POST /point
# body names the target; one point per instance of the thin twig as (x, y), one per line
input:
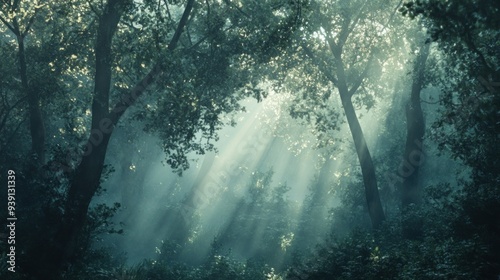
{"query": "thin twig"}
(10, 27)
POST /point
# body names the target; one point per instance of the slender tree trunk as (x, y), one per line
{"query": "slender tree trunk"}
(374, 204)
(37, 128)
(365, 160)
(413, 155)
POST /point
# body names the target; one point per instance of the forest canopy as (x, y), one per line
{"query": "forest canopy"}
(240, 139)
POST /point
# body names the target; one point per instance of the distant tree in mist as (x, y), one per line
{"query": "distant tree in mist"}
(340, 54)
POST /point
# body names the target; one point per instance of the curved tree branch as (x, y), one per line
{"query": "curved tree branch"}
(321, 66)
(129, 99)
(9, 26)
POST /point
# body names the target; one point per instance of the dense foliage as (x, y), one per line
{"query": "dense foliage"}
(82, 82)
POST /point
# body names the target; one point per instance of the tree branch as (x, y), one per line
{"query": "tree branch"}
(205, 37)
(15, 5)
(342, 38)
(321, 66)
(348, 26)
(10, 27)
(93, 9)
(182, 24)
(470, 43)
(30, 22)
(362, 76)
(337, 57)
(168, 10)
(136, 92)
(107, 26)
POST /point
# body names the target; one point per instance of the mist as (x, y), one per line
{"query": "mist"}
(250, 140)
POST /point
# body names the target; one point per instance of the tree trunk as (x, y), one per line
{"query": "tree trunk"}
(374, 204)
(88, 173)
(365, 160)
(83, 188)
(413, 155)
(37, 128)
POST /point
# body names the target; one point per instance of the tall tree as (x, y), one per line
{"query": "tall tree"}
(413, 155)
(469, 127)
(202, 61)
(19, 17)
(342, 51)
